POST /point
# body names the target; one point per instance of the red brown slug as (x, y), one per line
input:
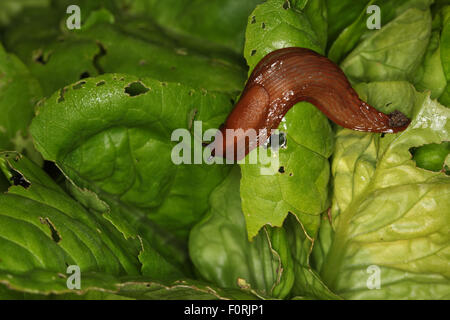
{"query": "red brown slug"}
(282, 79)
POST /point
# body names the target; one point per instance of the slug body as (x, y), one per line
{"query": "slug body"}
(282, 79)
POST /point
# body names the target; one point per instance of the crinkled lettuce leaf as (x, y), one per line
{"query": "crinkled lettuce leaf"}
(112, 135)
(301, 185)
(221, 252)
(389, 215)
(220, 22)
(430, 75)
(357, 30)
(278, 24)
(43, 231)
(170, 61)
(19, 92)
(10, 8)
(341, 14)
(445, 53)
(133, 46)
(308, 284)
(392, 53)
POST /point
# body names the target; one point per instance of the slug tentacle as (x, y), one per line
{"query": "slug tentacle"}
(288, 76)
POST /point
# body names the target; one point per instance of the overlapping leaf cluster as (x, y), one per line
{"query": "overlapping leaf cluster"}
(85, 153)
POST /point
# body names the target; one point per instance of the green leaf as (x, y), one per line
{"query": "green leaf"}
(222, 253)
(299, 183)
(397, 95)
(19, 92)
(29, 32)
(395, 217)
(357, 31)
(317, 14)
(123, 152)
(219, 22)
(97, 286)
(179, 290)
(307, 281)
(44, 230)
(167, 61)
(299, 187)
(322, 242)
(67, 62)
(4, 184)
(10, 8)
(141, 48)
(392, 53)
(445, 53)
(342, 14)
(271, 27)
(431, 75)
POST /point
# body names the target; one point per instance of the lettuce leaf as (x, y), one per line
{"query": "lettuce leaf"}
(445, 53)
(105, 138)
(19, 92)
(219, 23)
(301, 185)
(357, 31)
(393, 52)
(133, 46)
(430, 75)
(222, 253)
(389, 214)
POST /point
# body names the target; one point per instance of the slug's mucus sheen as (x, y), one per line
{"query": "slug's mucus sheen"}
(279, 81)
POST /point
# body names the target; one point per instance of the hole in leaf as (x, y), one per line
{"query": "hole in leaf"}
(286, 5)
(263, 25)
(40, 57)
(100, 83)
(253, 52)
(78, 85)
(253, 20)
(85, 75)
(192, 115)
(135, 89)
(55, 234)
(101, 53)
(53, 171)
(281, 169)
(62, 92)
(18, 179)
